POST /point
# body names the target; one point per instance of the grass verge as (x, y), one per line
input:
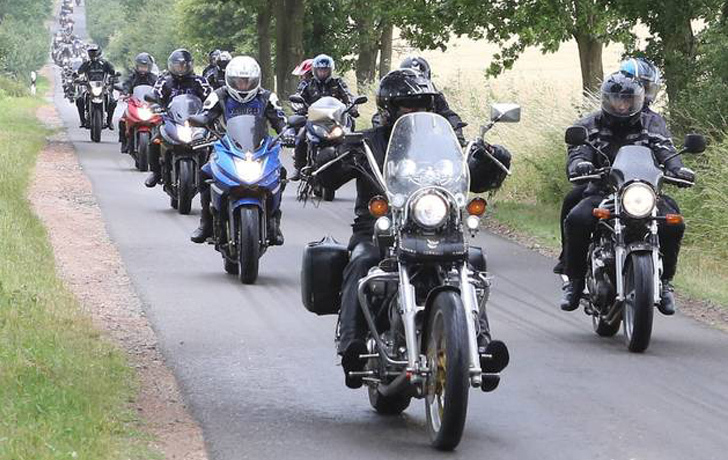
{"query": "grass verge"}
(64, 391)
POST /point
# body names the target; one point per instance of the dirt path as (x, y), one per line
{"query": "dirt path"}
(91, 267)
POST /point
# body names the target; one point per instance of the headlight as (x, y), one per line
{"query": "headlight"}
(336, 132)
(638, 200)
(145, 113)
(248, 170)
(430, 210)
(97, 90)
(184, 133)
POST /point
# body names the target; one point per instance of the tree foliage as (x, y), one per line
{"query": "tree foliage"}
(23, 35)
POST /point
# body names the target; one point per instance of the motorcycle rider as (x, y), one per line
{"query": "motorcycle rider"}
(241, 95)
(621, 121)
(304, 71)
(142, 75)
(179, 79)
(97, 68)
(323, 83)
(212, 63)
(216, 77)
(400, 92)
(649, 75)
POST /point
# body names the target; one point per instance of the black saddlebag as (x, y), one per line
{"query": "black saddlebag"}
(322, 273)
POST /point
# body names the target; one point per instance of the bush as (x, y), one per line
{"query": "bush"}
(23, 46)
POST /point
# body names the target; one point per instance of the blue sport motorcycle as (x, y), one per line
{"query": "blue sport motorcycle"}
(246, 187)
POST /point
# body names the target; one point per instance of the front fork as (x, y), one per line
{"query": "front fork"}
(621, 254)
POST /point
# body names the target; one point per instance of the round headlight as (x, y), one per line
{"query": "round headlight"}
(145, 113)
(336, 133)
(638, 200)
(184, 132)
(430, 210)
(249, 171)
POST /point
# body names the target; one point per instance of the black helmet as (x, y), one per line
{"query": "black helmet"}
(224, 59)
(94, 52)
(417, 63)
(212, 56)
(143, 63)
(404, 89)
(622, 99)
(180, 63)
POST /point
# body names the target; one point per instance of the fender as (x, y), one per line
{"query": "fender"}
(641, 246)
(426, 312)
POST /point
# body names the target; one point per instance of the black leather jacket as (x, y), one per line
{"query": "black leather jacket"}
(312, 90)
(96, 70)
(136, 79)
(168, 86)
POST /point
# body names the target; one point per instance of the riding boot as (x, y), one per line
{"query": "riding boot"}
(204, 231)
(573, 291)
(276, 238)
(667, 301)
(154, 165)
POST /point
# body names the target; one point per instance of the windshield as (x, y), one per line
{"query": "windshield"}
(326, 110)
(141, 91)
(183, 106)
(423, 151)
(635, 163)
(246, 132)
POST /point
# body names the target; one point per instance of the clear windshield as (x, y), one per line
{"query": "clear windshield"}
(326, 110)
(246, 132)
(635, 163)
(423, 152)
(183, 106)
(141, 91)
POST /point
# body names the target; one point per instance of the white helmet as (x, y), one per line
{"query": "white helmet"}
(242, 78)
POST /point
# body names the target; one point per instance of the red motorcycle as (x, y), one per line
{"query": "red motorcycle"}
(140, 120)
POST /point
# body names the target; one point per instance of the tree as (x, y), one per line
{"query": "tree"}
(515, 25)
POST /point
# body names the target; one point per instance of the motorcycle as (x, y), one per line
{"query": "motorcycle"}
(97, 96)
(140, 120)
(67, 78)
(624, 282)
(246, 188)
(328, 122)
(424, 303)
(179, 161)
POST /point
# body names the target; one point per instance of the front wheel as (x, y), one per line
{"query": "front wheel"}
(97, 116)
(185, 186)
(639, 302)
(142, 149)
(447, 387)
(248, 244)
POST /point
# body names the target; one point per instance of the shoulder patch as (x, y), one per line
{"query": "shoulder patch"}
(211, 101)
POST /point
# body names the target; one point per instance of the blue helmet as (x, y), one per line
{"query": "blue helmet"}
(647, 73)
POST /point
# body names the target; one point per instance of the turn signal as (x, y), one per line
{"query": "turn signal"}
(477, 207)
(378, 206)
(157, 141)
(601, 213)
(674, 219)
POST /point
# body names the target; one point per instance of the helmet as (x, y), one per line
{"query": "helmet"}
(404, 90)
(416, 63)
(180, 63)
(224, 59)
(647, 73)
(323, 67)
(212, 56)
(242, 78)
(143, 63)
(94, 52)
(304, 68)
(622, 98)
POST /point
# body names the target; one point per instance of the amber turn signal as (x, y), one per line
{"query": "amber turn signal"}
(601, 213)
(477, 207)
(674, 219)
(157, 141)
(378, 206)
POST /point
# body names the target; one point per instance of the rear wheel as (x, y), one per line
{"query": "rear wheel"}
(142, 152)
(447, 387)
(248, 244)
(639, 303)
(185, 186)
(97, 121)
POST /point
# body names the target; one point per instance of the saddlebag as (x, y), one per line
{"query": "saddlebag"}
(322, 273)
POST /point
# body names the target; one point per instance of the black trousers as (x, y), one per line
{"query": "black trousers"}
(575, 195)
(81, 107)
(301, 150)
(580, 224)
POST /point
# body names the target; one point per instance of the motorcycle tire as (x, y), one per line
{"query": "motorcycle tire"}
(142, 152)
(639, 304)
(447, 387)
(248, 242)
(97, 122)
(329, 194)
(185, 186)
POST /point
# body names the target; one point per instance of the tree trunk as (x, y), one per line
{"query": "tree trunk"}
(281, 45)
(590, 58)
(385, 49)
(265, 59)
(296, 10)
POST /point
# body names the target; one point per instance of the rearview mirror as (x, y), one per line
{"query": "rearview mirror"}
(694, 143)
(360, 100)
(576, 135)
(296, 99)
(505, 113)
(296, 121)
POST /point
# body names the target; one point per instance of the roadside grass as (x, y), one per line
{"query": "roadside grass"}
(64, 390)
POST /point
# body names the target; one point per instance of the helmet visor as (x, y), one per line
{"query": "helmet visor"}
(243, 84)
(93, 53)
(651, 90)
(413, 103)
(179, 68)
(322, 73)
(142, 68)
(623, 105)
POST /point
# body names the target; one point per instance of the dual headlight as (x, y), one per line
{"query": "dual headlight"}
(184, 133)
(248, 170)
(639, 200)
(430, 210)
(324, 133)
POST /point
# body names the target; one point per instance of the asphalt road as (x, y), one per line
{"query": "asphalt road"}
(261, 374)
